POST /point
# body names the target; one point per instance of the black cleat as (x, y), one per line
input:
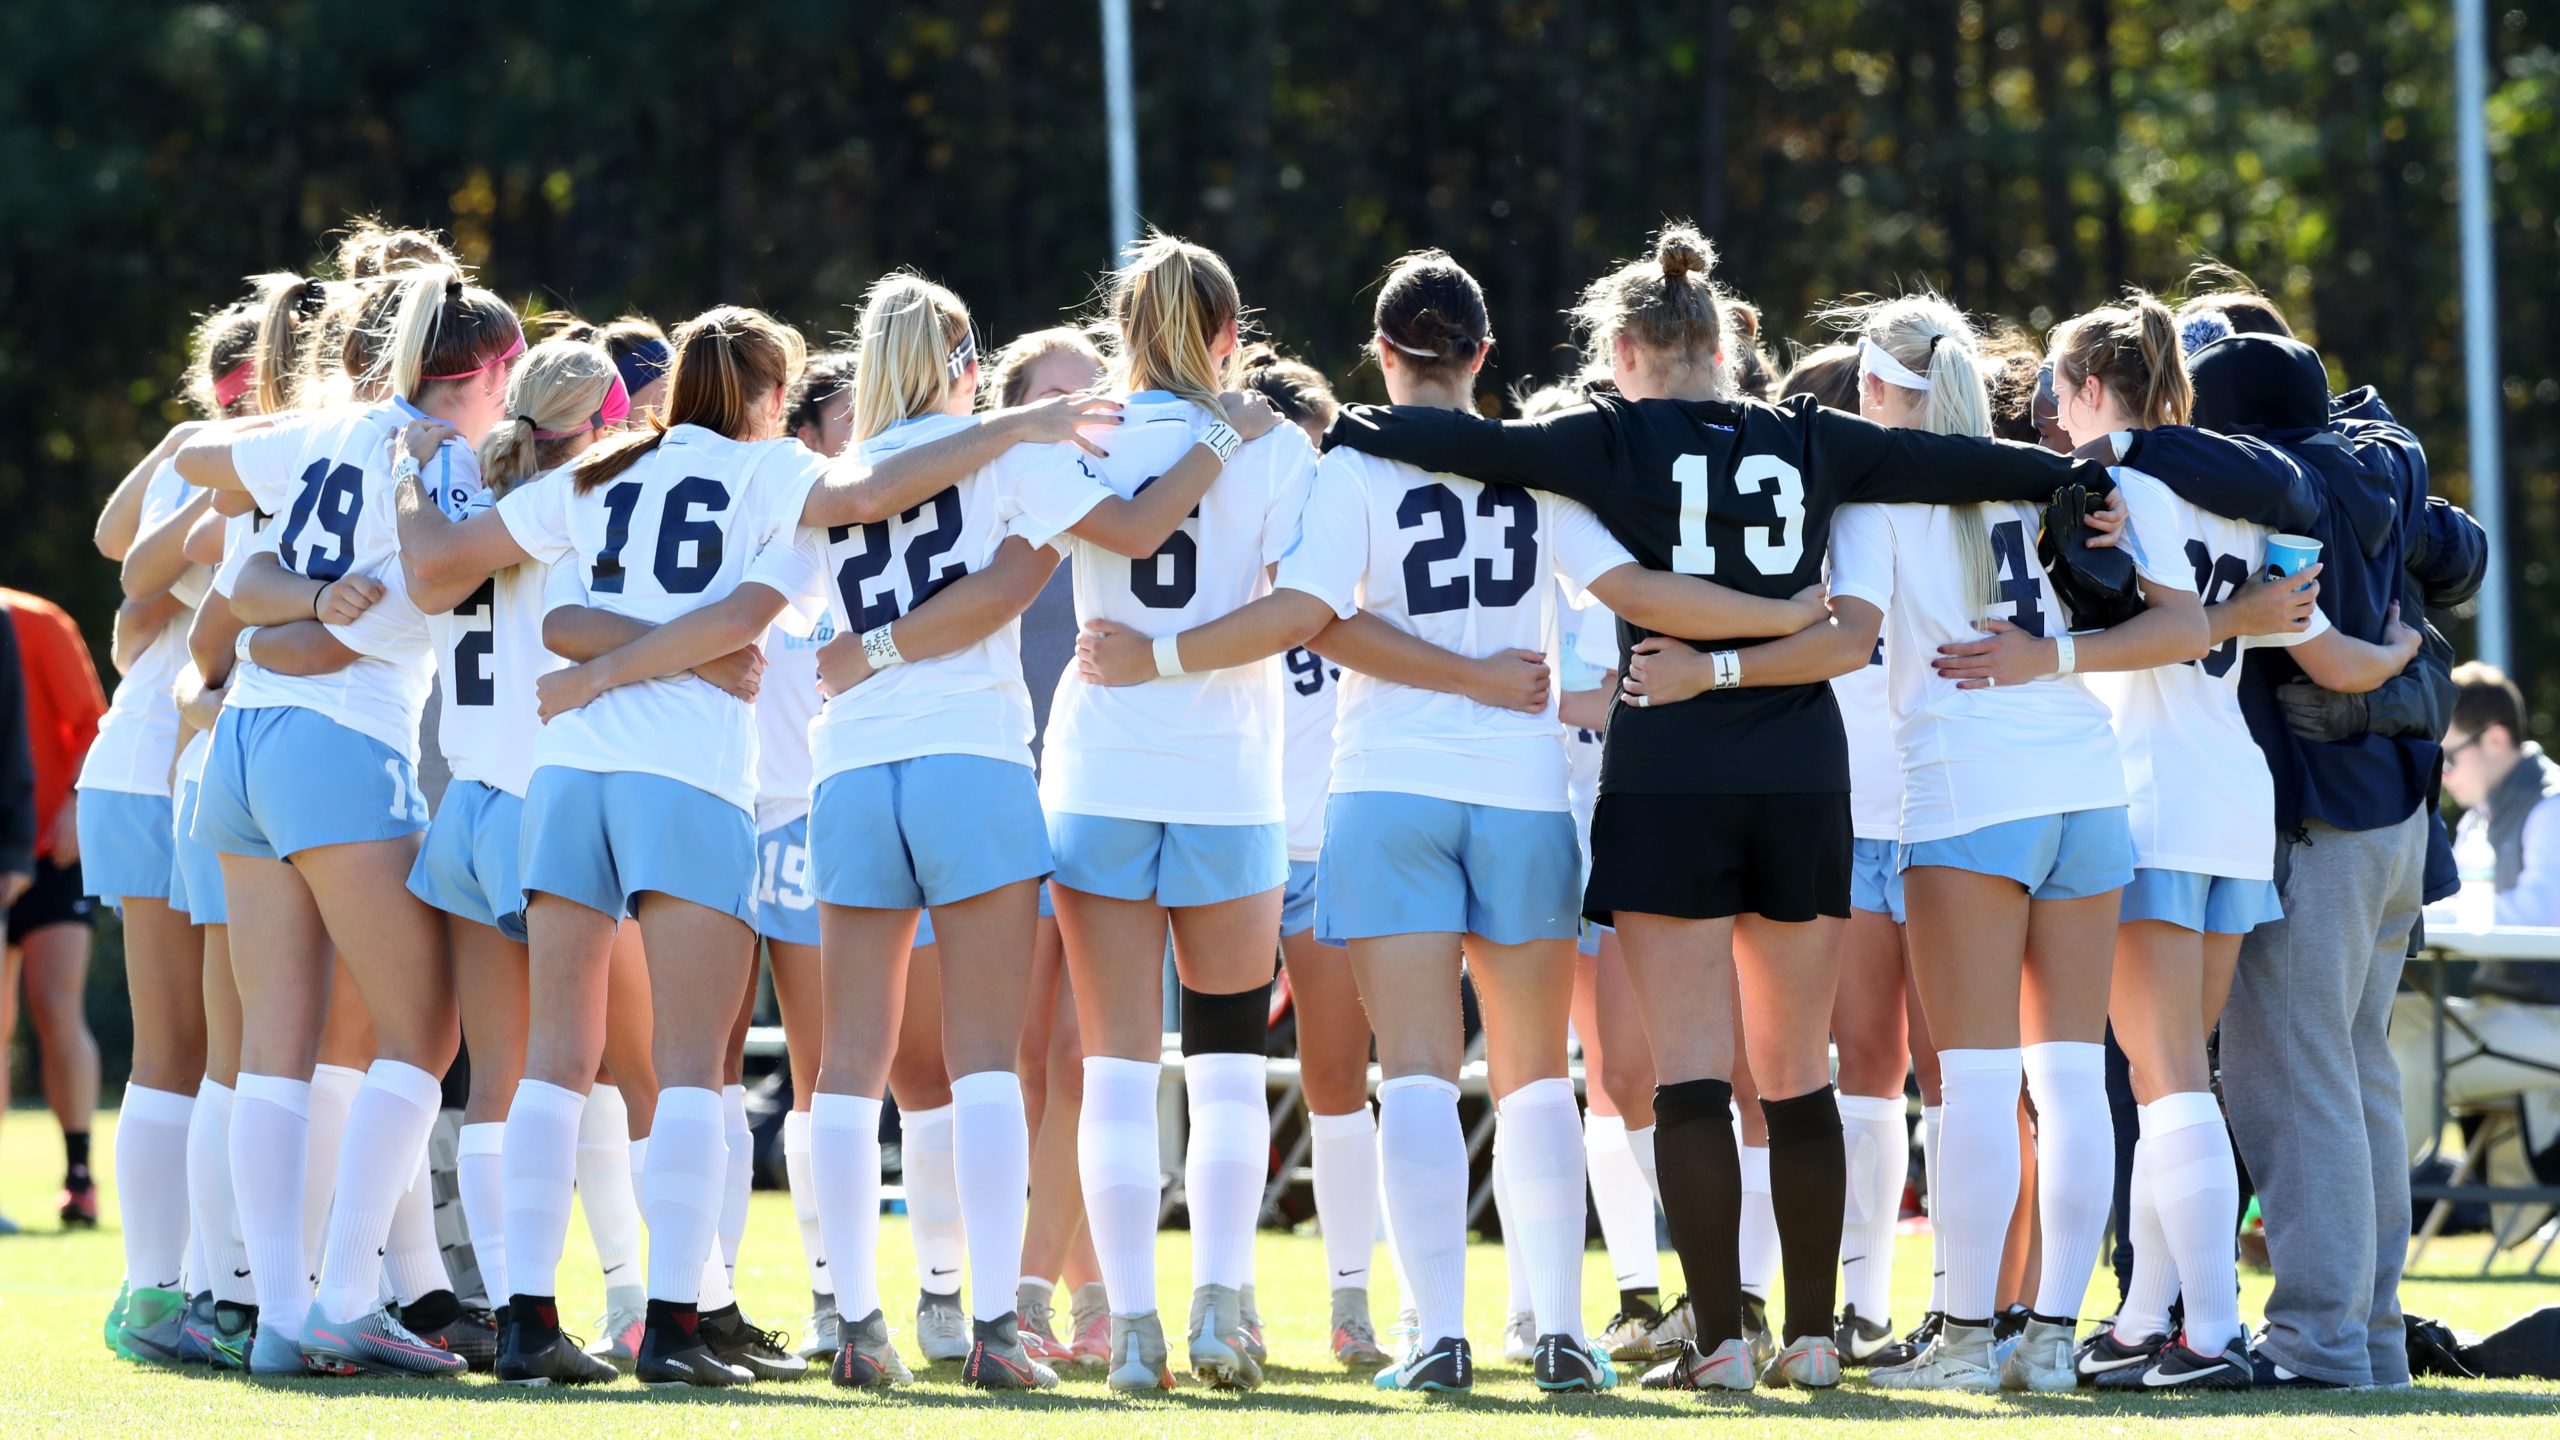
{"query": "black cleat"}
(472, 1334)
(673, 1352)
(2106, 1363)
(1859, 1339)
(1908, 1348)
(1445, 1367)
(765, 1354)
(537, 1355)
(2180, 1368)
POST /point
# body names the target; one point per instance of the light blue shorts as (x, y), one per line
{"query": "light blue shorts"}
(1417, 865)
(1298, 902)
(604, 839)
(2206, 904)
(2056, 857)
(785, 910)
(1173, 863)
(928, 831)
(1875, 878)
(126, 844)
(283, 779)
(924, 918)
(472, 863)
(195, 871)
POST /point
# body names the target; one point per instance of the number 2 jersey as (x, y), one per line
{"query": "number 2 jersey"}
(1472, 568)
(973, 700)
(682, 528)
(1736, 491)
(489, 648)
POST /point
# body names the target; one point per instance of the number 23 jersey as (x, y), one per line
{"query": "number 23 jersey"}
(1204, 748)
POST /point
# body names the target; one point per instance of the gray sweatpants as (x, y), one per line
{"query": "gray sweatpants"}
(2315, 1097)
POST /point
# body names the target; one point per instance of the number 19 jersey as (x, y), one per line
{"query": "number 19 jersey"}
(1201, 749)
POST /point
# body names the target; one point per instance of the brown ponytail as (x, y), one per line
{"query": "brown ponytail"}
(1667, 305)
(727, 359)
(2131, 349)
(1431, 313)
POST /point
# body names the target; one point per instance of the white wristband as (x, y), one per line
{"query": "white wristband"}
(240, 647)
(1220, 436)
(881, 648)
(1728, 666)
(2063, 652)
(1169, 655)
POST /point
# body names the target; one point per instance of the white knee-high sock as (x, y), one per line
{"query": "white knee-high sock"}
(1978, 1174)
(386, 1141)
(1224, 1164)
(1395, 1257)
(2075, 1167)
(1932, 1124)
(1116, 1160)
(1879, 1145)
(608, 1171)
(270, 1125)
(480, 1164)
(2145, 1312)
(1759, 1223)
(2196, 1192)
(991, 1166)
(1546, 1198)
(1515, 1255)
(1346, 1165)
(333, 1090)
(680, 1193)
(538, 1168)
(210, 1211)
(804, 1199)
(933, 1198)
(151, 1185)
(1640, 1141)
(844, 1168)
(741, 1178)
(412, 1256)
(1624, 1200)
(716, 1293)
(1424, 1160)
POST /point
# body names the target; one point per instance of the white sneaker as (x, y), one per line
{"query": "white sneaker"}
(942, 1327)
(1959, 1359)
(2041, 1360)
(1520, 1337)
(1809, 1362)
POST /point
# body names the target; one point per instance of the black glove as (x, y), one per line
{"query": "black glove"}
(2317, 714)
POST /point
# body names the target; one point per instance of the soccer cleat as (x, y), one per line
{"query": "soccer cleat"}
(621, 1326)
(273, 1353)
(674, 1352)
(765, 1354)
(997, 1360)
(1519, 1337)
(1756, 1332)
(540, 1356)
(1629, 1333)
(114, 1332)
(1140, 1360)
(942, 1327)
(1809, 1362)
(194, 1345)
(1089, 1322)
(473, 1335)
(153, 1322)
(1219, 1356)
(1036, 1321)
(2041, 1360)
(374, 1343)
(78, 1205)
(8, 1226)
(1562, 1363)
(2182, 1368)
(821, 1344)
(1960, 1358)
(1444, 1367)
(1355, 1344)
(1859, 1339)
(2009, 1324)
(228, 1338)
(1251, 1319)
(865, 1360)
(2107, 1363)
(1908, 1348)
(1729, 1368)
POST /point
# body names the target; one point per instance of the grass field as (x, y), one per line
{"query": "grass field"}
(55, 1288)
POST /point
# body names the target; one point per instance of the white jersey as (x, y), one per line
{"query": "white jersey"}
(138, 736)
(325, 481)
(1875, 766)
(1203, 748)
(2201, 797)
(1472, 568)
(1309, 689)
(1586, 651)
(489, 648)
(682, 528)
(786, 705)
(972, 701)
(1972, 758)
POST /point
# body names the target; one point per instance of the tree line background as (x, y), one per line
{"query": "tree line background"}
(662, 155)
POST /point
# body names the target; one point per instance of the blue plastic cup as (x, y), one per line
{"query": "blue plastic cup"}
(2291, 554)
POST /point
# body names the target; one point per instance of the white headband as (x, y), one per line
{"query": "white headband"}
(1875, 360)
(1409, 350)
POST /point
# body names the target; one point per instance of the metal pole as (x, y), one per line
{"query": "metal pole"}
(1121, 113)
(2480, 322)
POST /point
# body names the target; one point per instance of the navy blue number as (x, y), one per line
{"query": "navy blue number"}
(1147, 578)
(472, 682)
(2019, 574)
(619, 502)
(333, 495)
(2217, 577)
(678, 527)
(925, 577)
(1311, 670)
(1519, 537)
(1421, 595)
(928, 568)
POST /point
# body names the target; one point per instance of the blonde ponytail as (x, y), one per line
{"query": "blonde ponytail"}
(913, 332)
(1168, 303)
(1931, 339)
(555, 405)
(288, 312)
(442, 329)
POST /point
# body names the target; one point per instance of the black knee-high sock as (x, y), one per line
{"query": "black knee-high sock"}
(1701, 1174)
(1809, 1186)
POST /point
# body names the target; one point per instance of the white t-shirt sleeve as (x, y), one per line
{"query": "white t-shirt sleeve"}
(537, 516)
(562, 586)
(265, 461)
(1047, 490)
(1332, 550)
(1293, 473)
(2151, 531)
(267, 539)
(1584, 549)
(796, 567)
(1862, 554)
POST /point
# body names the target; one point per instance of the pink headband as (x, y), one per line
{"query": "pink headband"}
(616, 407)
(512, 352)
(235, 382)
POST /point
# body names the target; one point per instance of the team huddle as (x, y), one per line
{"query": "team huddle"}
(1702, 722)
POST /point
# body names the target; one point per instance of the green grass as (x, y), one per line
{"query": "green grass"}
(55, 1288)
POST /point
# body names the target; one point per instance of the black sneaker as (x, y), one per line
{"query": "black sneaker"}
(2104, 1362)
(765, 1354)
(2180, 1368)
(2009, 1324)
(1908, 1348)
(673, 1352)
(536, 1355)
(1859, 1339)
(1559, 1364)
(1445, 1367)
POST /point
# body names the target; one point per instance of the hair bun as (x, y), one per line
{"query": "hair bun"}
(1683, 251)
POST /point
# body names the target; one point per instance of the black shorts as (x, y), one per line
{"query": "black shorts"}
(1704, 857)
(54, 899)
